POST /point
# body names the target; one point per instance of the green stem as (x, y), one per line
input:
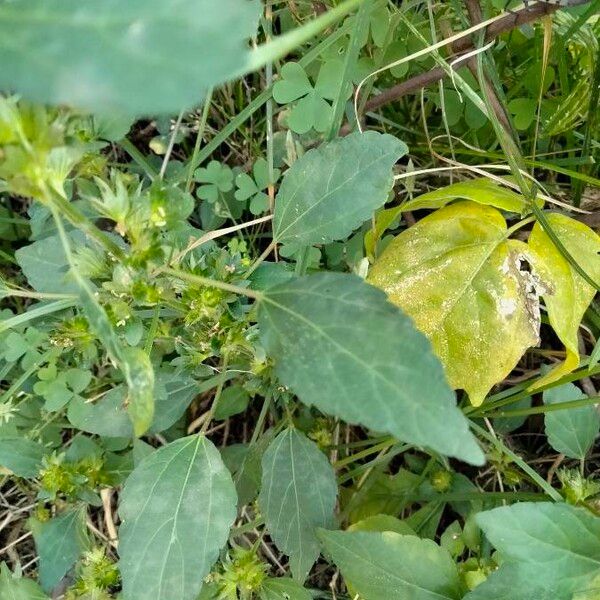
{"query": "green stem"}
(536, 410)
(205, 281)
(199, 137)
(70, 212)
(539, 481)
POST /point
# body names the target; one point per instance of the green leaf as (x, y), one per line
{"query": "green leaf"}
(59, 542)
(461, 280)
(566, 294)
(139, 374)
(571, 431)
(298, 494)
(137, 57)
(45, 264)
(310, 111)
(176, 509)
(21, 456)
(558, 542)
(523, 111)
(232, 401)
(506, 425)
(382, 523)
(107, 417)
(282, 588)
(292, 84)
(174, 393)
(514, 582)
(349, 178)
(483, 191)
(13, 587)
(392, 566)
(352, 354)
(133, 362)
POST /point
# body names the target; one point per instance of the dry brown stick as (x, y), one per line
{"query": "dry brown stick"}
(507, 23)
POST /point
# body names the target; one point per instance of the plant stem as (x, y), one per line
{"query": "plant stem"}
(205, 281)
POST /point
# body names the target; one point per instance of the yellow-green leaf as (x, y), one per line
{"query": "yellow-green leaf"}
(482, 191)
(460, 278)
(566, 294)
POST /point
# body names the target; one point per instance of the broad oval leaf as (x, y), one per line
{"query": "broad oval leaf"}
(558, 542)
(138, 57)
(516, 582)
(354, 355)
(21, 456)
(107, 417)
(283, 588)
(13, 587)
(460, 279)
(566, 294)
(571, 431)
(45, 264)
(176, 509)
(59, 542)
(393, 566)
(298, 494)
(332, 189)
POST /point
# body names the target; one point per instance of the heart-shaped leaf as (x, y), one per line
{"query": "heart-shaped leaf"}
(461, 280)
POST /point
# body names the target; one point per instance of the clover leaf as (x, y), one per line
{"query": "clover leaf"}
(311, 109)
(25, 345)
(59, 388)
(253, 187)
(216, 178)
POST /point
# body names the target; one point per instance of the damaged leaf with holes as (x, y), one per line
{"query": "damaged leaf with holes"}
(463, 281)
